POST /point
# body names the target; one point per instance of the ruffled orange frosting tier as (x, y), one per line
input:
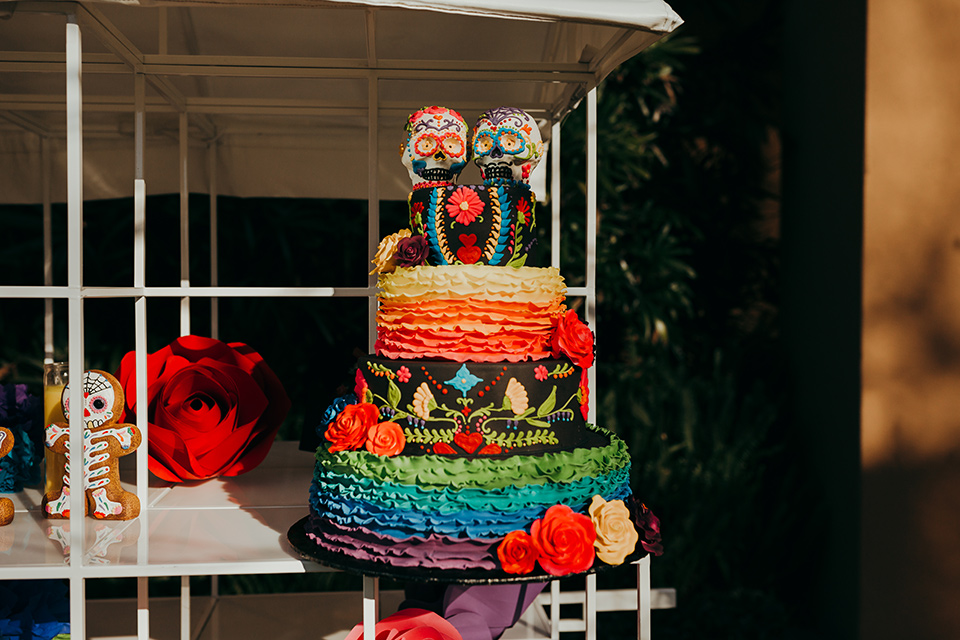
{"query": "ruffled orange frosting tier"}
(469, 312)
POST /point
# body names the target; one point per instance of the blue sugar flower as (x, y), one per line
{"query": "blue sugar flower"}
(463, 381)
(334, 410)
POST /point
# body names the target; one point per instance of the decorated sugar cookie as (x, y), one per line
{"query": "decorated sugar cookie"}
(104, 441)
(6, 504)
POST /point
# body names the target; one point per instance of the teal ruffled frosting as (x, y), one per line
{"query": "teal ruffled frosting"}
(447, 500)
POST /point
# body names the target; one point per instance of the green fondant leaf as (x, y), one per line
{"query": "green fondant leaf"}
(393, 394)
(538, 423)
(548, 404)
(507, 404)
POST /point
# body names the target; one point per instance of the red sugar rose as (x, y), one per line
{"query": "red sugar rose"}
(214, 408)
(517, 553)
(385, 439)
(348, 431)
(573, 339)
(564, 540)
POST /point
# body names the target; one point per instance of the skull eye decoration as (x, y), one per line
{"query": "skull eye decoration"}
(435, 150)
(98, 400)
(507, 145)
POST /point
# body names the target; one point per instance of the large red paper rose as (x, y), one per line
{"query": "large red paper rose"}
(348, 431)
(214, 408)
(573, 339)
(564, 539)
(410, 624)
(517, 553)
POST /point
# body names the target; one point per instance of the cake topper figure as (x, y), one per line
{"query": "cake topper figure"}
(506, 145)
(104, 441)
(436, 149)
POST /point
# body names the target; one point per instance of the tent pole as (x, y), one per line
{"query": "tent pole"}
(591, 267)
(47, 249)
(555, 195)
(75, 317)
(140, 328)
(184, 226)
(214, 245)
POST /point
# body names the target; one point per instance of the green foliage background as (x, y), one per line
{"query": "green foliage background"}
(689, 364)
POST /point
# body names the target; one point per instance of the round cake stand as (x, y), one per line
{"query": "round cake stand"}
(371, 574)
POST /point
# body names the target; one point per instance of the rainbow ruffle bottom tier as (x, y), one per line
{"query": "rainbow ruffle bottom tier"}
(442, 513)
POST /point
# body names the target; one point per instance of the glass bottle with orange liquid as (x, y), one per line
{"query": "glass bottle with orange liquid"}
(54, 380)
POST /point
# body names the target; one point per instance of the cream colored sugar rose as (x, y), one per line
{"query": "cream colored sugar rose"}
(384, 259)
(616, 535)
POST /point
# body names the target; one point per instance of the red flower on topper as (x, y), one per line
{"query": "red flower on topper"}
(348, 431)
(523, 208)
(517, 553)
(464, 205)
(214, 408)
(564, 540)
(573, 339)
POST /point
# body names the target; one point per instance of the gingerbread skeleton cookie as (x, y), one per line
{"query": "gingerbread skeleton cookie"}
(6, 504)
(104, 441)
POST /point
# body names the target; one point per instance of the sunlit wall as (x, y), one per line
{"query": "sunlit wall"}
(911, 323)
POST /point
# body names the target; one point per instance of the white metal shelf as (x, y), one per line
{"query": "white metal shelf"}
(218, 527)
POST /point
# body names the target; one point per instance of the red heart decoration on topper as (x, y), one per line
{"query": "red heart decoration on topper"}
(468, 442)
(468, 253)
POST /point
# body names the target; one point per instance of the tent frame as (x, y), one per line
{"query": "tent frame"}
(151, 70)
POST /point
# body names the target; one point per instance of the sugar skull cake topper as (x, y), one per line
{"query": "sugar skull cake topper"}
(436, 149)
(506, 144)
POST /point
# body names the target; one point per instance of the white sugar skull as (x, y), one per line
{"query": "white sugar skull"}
(507, 144)
(99, 398)
(436, 148)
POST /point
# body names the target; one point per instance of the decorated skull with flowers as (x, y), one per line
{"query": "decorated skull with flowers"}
(435, 151)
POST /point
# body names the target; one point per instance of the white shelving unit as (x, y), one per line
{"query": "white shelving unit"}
(268, 100)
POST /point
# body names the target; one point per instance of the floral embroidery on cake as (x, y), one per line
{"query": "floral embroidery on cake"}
(540, 373)
(463, 381)
(517, 395)
(429, 436)
(416, 215)
(380, 371)
(515, 439)
(423, 401)
(403, 374)
(465, 206)
(524, 210)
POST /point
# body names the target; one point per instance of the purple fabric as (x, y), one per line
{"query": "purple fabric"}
(479, 612)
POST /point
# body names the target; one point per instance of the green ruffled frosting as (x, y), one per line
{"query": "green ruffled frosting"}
(436, 472)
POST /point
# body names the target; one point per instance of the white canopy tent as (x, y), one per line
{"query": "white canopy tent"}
(282, 91)
(268, 98)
